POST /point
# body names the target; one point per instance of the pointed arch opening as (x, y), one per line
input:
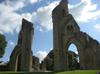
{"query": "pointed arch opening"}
(73, 57)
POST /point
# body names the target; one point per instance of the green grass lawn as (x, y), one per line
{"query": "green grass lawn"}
(26, 72)
(66, 72)
(80, 72)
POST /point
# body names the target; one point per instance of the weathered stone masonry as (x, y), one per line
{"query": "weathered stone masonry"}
(67, 31)
(21, 57)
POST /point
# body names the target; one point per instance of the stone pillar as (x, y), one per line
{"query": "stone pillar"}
(26, 56)
(21, 57)
(60, 57)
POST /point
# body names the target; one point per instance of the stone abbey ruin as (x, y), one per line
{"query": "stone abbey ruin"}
(65, 32)
(21, 57)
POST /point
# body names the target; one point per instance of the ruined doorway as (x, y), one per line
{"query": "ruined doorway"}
(73, 57)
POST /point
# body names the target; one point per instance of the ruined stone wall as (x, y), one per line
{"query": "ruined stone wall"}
(21, 57)
(67, 31)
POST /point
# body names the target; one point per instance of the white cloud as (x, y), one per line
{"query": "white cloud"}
(83, 12)
(27, 16)
(1, 32)
(11, 43)
(43, 16)
(39, 28)
(76, 52)
(11, 21)
(97, 27)
(17, 4)
(41, 55)
(51, 49)
(33, 1)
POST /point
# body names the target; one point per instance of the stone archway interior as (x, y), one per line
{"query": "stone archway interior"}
(73, 57)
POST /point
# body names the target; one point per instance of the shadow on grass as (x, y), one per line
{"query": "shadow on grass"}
(41, 73)
(26, 72)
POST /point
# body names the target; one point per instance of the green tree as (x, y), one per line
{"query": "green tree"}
(3, 44)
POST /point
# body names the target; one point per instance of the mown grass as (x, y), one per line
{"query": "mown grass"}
(80, 72)
(65, 72)
(8, 72)
(25, 73)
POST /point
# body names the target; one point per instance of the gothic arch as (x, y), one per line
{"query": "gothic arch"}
(80, 48)
(67, 31)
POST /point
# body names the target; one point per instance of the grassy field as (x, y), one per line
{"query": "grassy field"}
(26, 73)
(66, 72)
(80, 72)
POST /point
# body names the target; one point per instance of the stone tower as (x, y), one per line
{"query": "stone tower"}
(67, 31)
(58, 15)
(21, 57)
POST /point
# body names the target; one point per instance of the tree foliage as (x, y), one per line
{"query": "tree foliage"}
(3, 44)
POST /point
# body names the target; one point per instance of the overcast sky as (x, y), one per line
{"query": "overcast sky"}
(85, 12)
